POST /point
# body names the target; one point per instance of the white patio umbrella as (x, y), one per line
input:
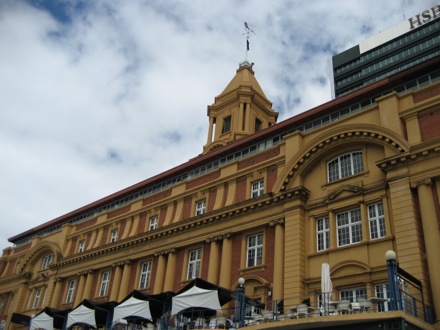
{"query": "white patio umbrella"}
(326, 286)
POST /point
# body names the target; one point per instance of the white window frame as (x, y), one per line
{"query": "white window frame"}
(105, 282)
(322, 234)
(144, 278)
(349, 227)
(201, 207)
(257, 188)
(194, 261)
(353, 294)
(114, 235)
(47, 261)
(154, 220)
(254, 252)
(81, 246)
(345, 165)
(376, 219)
(70, 291)
(382, 291)
(37, 297)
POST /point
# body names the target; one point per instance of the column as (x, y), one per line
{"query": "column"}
(135, 225)
(213, 262)
(80, 291)
(332, 229)
(364, 222)
(226, 265)
(123, 291)
(160, 273)
(278, 262)
(226, 262)
(211, 124)
(431, 236)
(116, 282)
(295, 251)
(55, 302)
(89, 283)
(171, 271)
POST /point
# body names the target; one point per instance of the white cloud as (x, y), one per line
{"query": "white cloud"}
(117, 91)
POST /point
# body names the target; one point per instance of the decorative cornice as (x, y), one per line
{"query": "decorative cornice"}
(16, 277)
(248, 206)
(404, 159)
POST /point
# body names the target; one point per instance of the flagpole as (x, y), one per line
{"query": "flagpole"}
(247, 33)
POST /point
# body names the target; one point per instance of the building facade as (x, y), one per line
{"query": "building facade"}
(268, 202)
(409, 43)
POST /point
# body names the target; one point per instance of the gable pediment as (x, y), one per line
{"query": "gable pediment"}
(344, 191)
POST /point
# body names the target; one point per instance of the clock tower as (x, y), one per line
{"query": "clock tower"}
(239, 111)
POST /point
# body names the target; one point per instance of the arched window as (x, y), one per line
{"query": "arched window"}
(345, 165)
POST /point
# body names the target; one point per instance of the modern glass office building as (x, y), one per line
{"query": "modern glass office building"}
(411, 42)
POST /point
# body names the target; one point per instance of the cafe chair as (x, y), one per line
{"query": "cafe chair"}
(331, 310)
(315, 313)
(290, 315)
(355, 307)
(221, 322)
(302, 310)
(343, 307)
(267, 315)
(365, 306)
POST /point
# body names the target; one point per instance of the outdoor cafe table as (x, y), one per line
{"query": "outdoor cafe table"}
(309, 309)
(375, 300)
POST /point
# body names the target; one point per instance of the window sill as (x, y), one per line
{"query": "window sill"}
(369, 242)
(327, 184)
(258, 268)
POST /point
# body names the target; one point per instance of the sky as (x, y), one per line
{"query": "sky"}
(96, 96)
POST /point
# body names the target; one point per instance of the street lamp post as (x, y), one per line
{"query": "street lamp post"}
(393, 281)
(241, 302)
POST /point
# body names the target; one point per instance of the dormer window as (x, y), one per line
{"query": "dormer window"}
(153, 223)
(226, 124)
(47, 261)
(114, 236)
(345, 165)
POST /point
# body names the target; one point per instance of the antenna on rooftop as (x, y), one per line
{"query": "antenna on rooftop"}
(248, 32)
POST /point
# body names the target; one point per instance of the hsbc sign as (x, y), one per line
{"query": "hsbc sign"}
(424, 17)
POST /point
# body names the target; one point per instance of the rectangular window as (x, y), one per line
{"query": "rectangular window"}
(376, 219)
(81, 246)
(194, 259)
(254, 250)
(322, 234)
(382, 291)
(114, 236)
(144, 280)
(201, 207)
(226, 124)
(37, 298)
(353, 294)
(257, 188)
(349, 227)
(153, 223)
(105, 281)
(258, 125)
(344, 166)
(47, 261)
(70, 291)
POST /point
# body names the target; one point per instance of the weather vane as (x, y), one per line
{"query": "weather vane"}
(247, 33)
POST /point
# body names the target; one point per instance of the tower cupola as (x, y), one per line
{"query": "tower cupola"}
(240, 110)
